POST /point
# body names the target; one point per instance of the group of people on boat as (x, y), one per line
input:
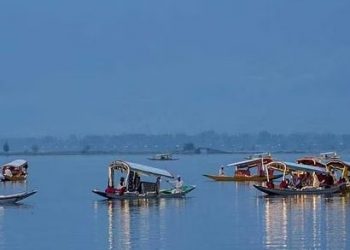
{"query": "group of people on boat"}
(136, 185)
(15, 170)
(308, 180)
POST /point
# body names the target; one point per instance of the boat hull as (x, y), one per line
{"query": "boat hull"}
(241, 178)
(284, 192)
(13, 198)
(165, 193)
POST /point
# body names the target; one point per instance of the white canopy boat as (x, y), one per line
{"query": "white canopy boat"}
(15, 170)
(134, 188)
(290, 168)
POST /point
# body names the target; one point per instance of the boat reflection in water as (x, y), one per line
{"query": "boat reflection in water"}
(305, 222)
(135, 223)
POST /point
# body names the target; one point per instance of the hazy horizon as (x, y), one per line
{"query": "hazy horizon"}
(167, 67)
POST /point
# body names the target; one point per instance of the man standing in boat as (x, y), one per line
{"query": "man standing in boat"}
(221, 171)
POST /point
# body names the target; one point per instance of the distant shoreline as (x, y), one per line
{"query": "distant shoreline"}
(138, 153)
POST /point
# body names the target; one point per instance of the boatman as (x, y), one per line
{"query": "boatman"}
(221, 171)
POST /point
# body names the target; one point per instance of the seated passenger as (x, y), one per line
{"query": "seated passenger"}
(110, 190)
(284, 184)
(8, 172)
(270, 184)
(121, 187)
(328, 181)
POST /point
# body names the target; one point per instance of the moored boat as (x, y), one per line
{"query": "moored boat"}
(131, 186)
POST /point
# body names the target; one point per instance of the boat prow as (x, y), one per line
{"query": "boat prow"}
(101, 193)
(13, 198)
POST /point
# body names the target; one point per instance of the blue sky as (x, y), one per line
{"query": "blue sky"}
(112, 67)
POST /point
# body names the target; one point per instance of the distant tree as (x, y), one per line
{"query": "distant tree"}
(86, 149)
(6, 147)
(35, 148)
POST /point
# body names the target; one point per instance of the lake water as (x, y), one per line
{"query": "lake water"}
(65, 214)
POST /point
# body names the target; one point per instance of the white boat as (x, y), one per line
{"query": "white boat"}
(134, 188)
(13, 198)
(163, 157)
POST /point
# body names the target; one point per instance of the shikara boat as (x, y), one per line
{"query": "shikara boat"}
(290, 168)
(332, 162)
(313, 191)
(15, 171)
(244, 168)
(137, 189)
(13, 198)
(163, 157)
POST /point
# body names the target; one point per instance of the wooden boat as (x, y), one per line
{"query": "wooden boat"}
(296, 169)
(136, 189)
(163, 157)
(332, 162)
(15, 171)
(310, 191)
(13, 198)
(241, 177)
(243, 170)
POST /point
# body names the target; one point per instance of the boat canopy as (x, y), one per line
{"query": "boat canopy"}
(140, 168)
(250, 163)
(16, 163)
(324, 162)
(295, 166)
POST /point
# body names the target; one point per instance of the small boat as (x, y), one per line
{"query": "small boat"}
(163, 157)
(15, 171)
(13, 198)
(134, 188)
(298, 170)
(243, 170)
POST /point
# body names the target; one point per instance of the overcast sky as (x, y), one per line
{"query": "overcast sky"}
(112, 67)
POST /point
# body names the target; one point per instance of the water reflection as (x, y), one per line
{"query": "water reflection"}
(305, 222)
(10, 187)
(135, 222)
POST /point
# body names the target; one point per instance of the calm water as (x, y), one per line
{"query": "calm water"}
(65, 214)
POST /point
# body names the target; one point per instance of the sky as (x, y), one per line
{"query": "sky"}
(155, 67)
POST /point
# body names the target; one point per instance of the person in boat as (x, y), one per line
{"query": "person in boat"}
(306, 180)
(178, 184)
(221, 171)
(270, 184)
(110, 189)
(137, 183)
(328, 181)
(334, 176)
(315, 180)
(158, 185)
(121, 187)
(8, 172)
(284, 184)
